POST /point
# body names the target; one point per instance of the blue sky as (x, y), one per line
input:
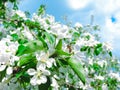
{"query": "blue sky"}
(106, 14)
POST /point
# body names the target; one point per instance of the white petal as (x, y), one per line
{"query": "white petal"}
(2, 67)
(38, 56)
(39, 81)
(43, 79)
(46, 72)
(49, 64)
(31, 71)
(9, 70)
(33, 80)
(54, 83)
(41, 66)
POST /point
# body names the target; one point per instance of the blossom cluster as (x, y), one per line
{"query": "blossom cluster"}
(39, 53)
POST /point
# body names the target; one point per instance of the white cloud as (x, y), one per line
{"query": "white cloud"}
(111, 32)
(77, 4)
(107, 6)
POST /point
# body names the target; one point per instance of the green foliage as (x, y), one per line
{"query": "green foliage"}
(75, 36)
(27, 14)
(3, 7)
(48, 22)
(29, 47)
(41, 10)
(110, 53)
(21, 50)
(32, 24)
(98, 49)
(50, 38)
(43, 42)
(27, 59)
(15, 37)
(96, 67)
(22, 41)
(111, 83)
(78, 69)
(15, 7)
(12, 1)
(97, 84)
(16, 22)
(84, 48)
(59, 45)
(2, 75)
(61, 52)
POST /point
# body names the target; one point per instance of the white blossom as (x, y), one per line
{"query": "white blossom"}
(102, 63)
(99, 77)
(114, 75)
(77, 24)
(9, 70)
(7, 54)
(26, 32)
(44, 60)
(104, 87)
(39, 75)
(20, 13)
(108, 46)
(54, 84)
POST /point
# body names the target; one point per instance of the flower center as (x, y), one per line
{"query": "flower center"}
(43, 60)
(39, 74)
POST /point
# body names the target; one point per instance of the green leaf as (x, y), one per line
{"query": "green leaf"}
(50, 37)
(110, 53)
(19, 74)
(15, 7)
(43, 42)
(78, 69)
(29, 58)
(34, 46)
(46, 85)
(2, 75)
(87, 37)
(12, 1)
(30, 47)
(32, 24)
(25, 78)
(41, 10)
(27, 14)
(97, 51)
(61, 52)
(76, 35)
(22, 41)
(59, 45)
(99, 45)
(84, 48)
(89, 51)
(1, 33)
(47, 21)
(15, 37)
(21, 50)
(96, 67)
